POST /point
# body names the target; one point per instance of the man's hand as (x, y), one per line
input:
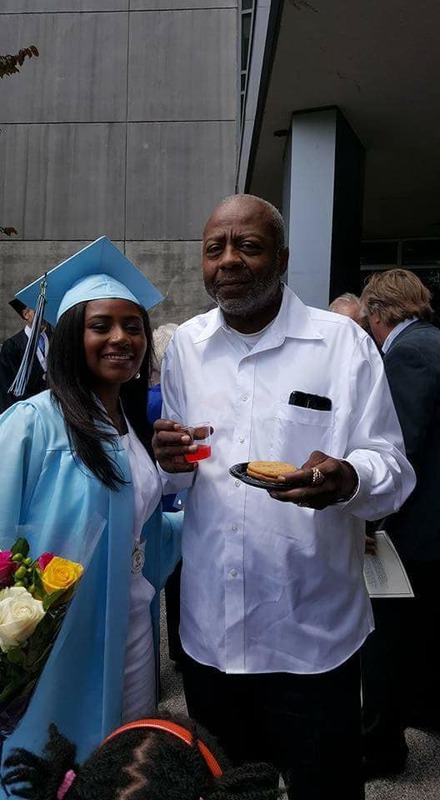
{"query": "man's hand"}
(170, 443)
(321, 482)
(370, 545)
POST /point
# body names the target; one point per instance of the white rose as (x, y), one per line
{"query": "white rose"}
(20, 614)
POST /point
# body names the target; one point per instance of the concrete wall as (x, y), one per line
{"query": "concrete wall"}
(125, 126)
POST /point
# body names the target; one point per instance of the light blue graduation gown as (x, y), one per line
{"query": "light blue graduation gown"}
(57, 500)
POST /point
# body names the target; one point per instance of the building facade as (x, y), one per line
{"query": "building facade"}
(339, 128)
(126, 125)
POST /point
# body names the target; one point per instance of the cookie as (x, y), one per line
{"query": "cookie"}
(269, 470)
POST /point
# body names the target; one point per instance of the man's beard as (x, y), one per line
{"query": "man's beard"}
(259, 294)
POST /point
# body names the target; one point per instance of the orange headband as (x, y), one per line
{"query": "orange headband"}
(177, 730)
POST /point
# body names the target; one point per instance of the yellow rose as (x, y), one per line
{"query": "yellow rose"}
(60, 573)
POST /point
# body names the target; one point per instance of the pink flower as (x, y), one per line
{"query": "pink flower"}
(44, 560)
(7, 568)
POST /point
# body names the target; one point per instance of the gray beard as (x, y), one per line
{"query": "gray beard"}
(259, 296)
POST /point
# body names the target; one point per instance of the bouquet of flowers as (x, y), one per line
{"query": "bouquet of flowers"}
(35, 594)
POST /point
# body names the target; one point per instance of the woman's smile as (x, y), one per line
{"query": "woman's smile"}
(114, 342)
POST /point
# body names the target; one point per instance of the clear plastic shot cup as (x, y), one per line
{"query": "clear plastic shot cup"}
(200, 434)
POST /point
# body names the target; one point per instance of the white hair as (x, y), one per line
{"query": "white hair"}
(347, 297)
(161, 339)
(348, 305)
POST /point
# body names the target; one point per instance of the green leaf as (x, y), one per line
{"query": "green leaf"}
(16, 656)
(50, 599)
(20, 546)
(36, 578)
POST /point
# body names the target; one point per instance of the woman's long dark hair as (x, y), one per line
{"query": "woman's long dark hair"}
(68, 379)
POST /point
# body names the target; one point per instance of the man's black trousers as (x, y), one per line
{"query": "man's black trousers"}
(308, 726)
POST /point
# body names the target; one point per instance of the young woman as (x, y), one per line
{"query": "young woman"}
(78, 456)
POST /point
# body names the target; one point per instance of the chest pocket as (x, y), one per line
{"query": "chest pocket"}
(298, 431)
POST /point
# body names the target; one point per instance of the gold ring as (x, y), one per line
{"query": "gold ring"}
(317, 477)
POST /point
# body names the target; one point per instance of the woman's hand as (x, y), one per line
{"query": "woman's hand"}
(322, 481)
(170, 444)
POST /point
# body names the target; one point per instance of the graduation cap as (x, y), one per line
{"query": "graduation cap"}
(97, 272)
(18, 306)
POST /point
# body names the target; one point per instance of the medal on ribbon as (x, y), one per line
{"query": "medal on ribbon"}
(137, 558)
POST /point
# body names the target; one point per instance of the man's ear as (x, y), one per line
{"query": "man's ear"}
(373, 316)
(283, 258)
(25, 313)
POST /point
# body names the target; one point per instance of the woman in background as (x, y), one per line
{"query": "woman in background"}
(171, 502)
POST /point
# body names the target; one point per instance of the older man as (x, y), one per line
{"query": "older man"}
(400, 663)
(349, 305)
(274, 607)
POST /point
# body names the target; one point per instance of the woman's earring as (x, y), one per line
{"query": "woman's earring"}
(137, 376)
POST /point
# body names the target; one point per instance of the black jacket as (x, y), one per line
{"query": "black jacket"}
(11, 355)
(412, 365)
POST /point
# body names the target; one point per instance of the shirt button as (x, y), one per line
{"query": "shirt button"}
(244, 397)
(237, 482)
(241, 439)
(234, 528)
(233, 573)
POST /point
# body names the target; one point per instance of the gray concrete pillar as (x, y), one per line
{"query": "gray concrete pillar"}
(322, 204)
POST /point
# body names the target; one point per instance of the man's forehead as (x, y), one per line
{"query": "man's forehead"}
(238, 216)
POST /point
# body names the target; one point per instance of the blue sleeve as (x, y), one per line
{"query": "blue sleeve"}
(22, 451)
(154, 404)
(171, 544)
(163, 533)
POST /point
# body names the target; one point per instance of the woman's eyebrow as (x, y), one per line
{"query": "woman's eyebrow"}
(109, 316)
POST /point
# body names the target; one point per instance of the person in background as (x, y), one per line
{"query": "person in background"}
(400, 663)
(274, 607)
(349, 305)
(81, 451)
(11, 355)
(161, 338)
(156, 758)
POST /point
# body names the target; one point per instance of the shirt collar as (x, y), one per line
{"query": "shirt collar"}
(395, 332)
(27, 330)
(293, 320)
(214, 322)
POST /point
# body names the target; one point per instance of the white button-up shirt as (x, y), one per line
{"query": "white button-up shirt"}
(268, 586)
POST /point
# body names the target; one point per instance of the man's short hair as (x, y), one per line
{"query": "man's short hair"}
(347, 297)
(276, 219)
(348, 304)
(396, 295)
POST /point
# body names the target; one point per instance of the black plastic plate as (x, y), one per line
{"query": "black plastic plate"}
(239, 471)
